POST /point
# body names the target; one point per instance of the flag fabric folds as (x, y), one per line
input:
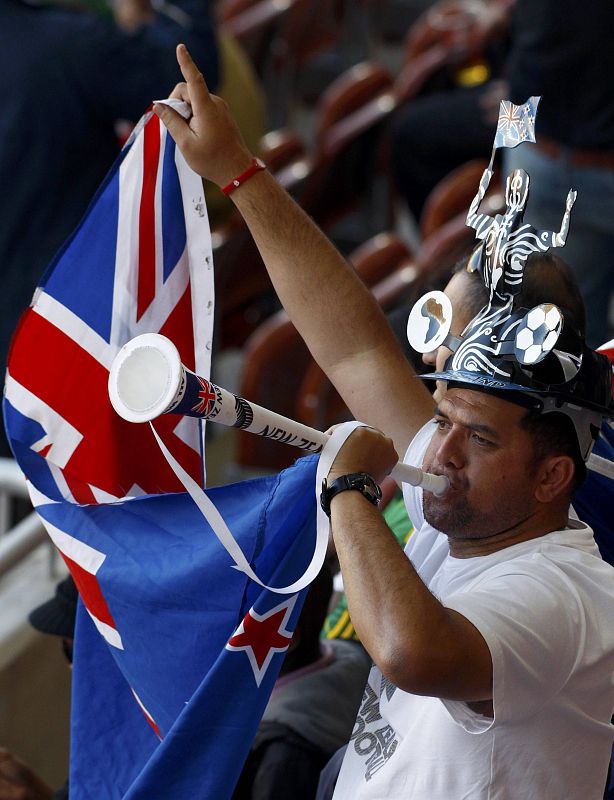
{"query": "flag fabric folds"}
(176, 651)
(140, 261)
(172, 710)
(593, 500)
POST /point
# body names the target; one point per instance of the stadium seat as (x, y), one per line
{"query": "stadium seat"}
(453, 195)
(276, 361)
(385, 255)
(255, 24)
(244, 293)
(344, 172)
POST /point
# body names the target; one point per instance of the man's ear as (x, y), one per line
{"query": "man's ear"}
(554, 478)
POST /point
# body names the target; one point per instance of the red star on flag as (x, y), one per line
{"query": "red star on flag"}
(263, 635)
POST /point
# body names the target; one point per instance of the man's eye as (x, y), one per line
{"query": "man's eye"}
(480, 440)
(442, 424)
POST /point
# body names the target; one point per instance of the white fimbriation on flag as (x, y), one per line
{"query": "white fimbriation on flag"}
(88, 561)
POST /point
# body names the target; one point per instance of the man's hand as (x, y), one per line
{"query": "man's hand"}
(366, 450)
(333, 311)
(210, 140)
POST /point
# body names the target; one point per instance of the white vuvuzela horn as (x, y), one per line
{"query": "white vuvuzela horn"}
(147, 379)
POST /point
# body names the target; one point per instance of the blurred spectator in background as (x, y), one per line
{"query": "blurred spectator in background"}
(443, 129)
(57, 615)
(18, 782)
(66, 78)
(561, 51)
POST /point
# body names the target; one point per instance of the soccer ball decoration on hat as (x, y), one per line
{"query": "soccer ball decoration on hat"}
(537, 333)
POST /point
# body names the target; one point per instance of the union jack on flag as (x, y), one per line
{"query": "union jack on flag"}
(176, 652)
(516, 124)
(140, 261)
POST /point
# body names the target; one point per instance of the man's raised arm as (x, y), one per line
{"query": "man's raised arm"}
(335, 314)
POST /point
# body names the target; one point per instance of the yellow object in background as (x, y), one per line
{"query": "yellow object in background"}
(472, 74)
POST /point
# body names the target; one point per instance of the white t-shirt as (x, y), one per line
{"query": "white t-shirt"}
(546, 610)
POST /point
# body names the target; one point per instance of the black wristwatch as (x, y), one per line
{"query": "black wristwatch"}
(359, 481)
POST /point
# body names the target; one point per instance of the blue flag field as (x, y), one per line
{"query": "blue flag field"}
(176, 650)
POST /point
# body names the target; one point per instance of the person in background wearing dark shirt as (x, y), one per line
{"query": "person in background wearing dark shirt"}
(559, 50)
(66, 78)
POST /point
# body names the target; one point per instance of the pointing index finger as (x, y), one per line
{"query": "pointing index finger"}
(197, 88)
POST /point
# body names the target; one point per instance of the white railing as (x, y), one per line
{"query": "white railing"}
(16, 541)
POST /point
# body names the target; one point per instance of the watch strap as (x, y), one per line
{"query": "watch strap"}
(356, 481)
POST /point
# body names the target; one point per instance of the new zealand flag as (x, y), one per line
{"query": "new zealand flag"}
(176, 651)
(170, 710)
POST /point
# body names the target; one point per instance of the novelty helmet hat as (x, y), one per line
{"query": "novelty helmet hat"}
(534, 357)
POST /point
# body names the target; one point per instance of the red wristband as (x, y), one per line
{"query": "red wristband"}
(253, 168)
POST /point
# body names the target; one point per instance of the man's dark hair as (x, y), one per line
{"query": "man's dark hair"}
(476, 296)
(546, 279)
(554, 434)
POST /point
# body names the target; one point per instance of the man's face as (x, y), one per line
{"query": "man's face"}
(481, 447)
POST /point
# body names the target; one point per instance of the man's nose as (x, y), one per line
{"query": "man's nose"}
(451, 450)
